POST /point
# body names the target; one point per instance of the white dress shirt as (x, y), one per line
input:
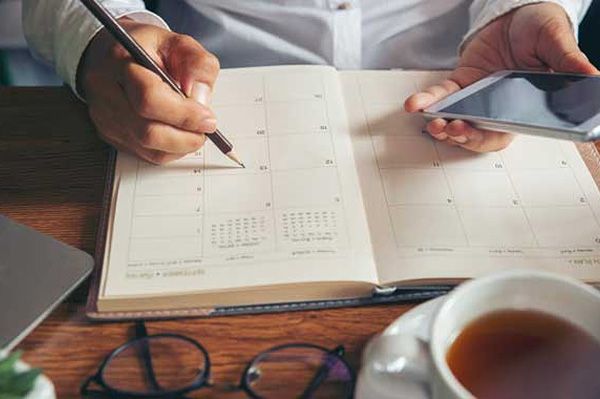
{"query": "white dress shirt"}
(348, 34)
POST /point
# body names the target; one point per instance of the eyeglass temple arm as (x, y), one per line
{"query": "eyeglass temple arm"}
(145, 356)
(321, 374)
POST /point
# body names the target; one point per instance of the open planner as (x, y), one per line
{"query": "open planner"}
(342, 196)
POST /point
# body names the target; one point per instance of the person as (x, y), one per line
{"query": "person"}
(135, 111)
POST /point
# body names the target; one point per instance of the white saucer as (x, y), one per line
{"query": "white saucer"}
(414, 323)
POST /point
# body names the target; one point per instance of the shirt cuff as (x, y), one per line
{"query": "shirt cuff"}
(496, 9)
(80, 34)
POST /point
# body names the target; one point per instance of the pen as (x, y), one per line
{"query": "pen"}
(142, 58)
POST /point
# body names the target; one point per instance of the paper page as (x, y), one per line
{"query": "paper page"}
(437, 211)
(294, 215)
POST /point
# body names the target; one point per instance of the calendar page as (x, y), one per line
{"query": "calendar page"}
(294, 215)
(437, 211)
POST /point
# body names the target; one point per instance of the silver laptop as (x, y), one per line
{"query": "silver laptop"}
(36, 273)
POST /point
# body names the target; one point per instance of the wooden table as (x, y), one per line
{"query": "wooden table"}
(52, 168)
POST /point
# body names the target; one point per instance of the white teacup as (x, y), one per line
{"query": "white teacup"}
(404, 364)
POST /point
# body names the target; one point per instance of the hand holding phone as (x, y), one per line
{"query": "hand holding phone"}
(536, 36)
(565, 106)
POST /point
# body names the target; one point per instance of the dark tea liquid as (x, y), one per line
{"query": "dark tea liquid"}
(526, 355)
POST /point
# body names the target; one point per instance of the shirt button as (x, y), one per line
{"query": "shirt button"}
(344, 6)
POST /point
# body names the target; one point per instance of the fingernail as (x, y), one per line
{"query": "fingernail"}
(459, 139)
(441, 136)
(201, 93)
(210, 125)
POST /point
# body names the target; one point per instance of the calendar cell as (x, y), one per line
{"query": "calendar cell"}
(147, 249)
(548, 187)
(459, 158)
(238, 193)
(170, 186)
(482, 188)
(166, 226)
(547, 154)
(297, 117)
(294, 87)
(396, 152)
(391, 120)
(253, 151)
(247, 90)
(168, 205)
(296, 188)
(415, 186)
(438, 226)
(301, 152)
(241, 121)
(549, 225)
(497, 227)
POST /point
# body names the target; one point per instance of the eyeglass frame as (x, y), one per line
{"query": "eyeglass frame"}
(203, 379)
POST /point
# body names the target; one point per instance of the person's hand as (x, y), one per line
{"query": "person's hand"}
(532, 37)
(133, 109)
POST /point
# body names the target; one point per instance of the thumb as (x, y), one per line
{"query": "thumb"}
(559, 50)
(192, 66)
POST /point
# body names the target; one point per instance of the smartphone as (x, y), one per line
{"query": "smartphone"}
(564, 106)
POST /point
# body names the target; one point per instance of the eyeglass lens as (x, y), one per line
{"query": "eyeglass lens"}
(155, 365)
(299, 372)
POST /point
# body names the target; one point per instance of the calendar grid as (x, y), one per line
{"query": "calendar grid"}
(266, 124)
(419, 178)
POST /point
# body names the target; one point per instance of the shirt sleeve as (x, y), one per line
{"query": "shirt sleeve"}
(58, 31)
(482, 12)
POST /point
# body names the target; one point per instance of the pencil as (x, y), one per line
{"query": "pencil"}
(142, 58)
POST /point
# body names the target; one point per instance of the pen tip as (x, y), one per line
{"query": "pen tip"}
(242, 165)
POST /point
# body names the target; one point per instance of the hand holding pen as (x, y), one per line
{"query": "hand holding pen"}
(135, 109)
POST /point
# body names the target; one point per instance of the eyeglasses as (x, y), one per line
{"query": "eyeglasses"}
(172, 365)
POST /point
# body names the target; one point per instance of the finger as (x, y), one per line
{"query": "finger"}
(478, 140)
(152, 99)
(153, 156)
(461, 132)
(419, 101)
(157, 157)
(558, 48)
(119, 126)
(436, 128)
(195, 68)
(159, 136)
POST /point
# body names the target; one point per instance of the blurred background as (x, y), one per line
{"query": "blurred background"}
(19, 68)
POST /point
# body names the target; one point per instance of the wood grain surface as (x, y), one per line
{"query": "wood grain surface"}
(52, 169)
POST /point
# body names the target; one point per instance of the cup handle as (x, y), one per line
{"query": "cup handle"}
(395, 366)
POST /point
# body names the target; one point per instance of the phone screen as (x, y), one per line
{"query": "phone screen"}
(552, 100)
